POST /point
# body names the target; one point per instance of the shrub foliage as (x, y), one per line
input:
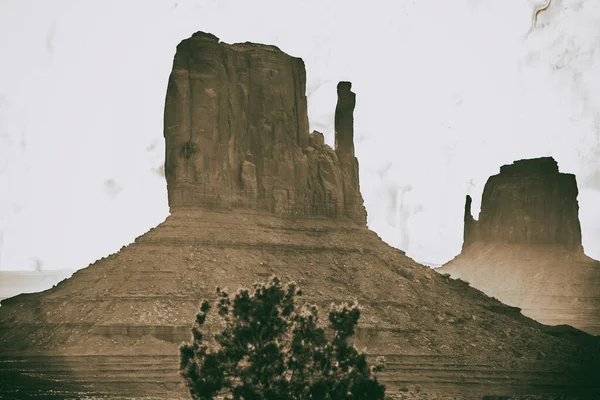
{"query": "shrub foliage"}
(271, 349)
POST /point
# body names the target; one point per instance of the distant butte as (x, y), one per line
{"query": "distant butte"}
(526, 249)
(252, 193)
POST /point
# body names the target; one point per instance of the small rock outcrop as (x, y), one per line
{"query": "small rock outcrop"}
(526, 247)
(237, 135)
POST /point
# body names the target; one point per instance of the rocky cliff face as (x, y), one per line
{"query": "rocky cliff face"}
(236, 131)
(252, 194)
(526, 250)
(529, 202)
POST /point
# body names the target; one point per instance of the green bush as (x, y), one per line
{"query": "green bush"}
(271, 349)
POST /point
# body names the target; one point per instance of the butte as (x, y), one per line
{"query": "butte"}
(253, 193)
(526, 248)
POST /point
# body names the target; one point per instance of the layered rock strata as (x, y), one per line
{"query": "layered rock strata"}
(526, 249)
(237, 135)
(252, 194)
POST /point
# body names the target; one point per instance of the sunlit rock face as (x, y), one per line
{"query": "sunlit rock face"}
(526, 250)
(236, 130)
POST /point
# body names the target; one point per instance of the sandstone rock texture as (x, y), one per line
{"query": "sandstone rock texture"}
(237, 135)
(529, 202)
(252, 194)
(526, 249)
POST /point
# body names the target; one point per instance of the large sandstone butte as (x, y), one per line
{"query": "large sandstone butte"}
(526, 250)
(252, 194)
(236, 130)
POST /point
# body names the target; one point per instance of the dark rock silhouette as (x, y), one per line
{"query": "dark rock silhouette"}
(526, 249)
(253, 194)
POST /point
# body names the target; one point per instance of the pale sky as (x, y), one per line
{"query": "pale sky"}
(447, 92)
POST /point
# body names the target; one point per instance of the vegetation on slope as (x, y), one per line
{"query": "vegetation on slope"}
(271, 349)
